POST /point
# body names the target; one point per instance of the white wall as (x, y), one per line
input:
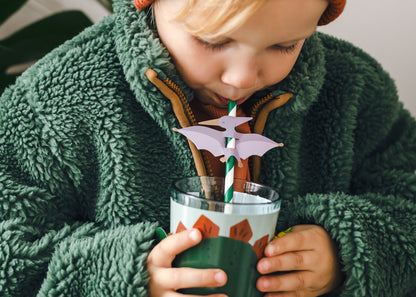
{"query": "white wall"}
(386, 30)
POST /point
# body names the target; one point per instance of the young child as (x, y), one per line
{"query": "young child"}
(88, 153)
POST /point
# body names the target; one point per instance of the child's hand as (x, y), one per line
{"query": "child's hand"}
(165, 280)
(311, 257)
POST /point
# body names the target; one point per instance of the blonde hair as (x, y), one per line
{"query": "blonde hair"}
(214, 18)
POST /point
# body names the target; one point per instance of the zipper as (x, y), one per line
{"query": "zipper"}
(188, 111)
(255, 109)
(260, 112)
(254, 112)
(191, 117)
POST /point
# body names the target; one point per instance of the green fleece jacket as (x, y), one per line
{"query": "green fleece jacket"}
(87, 157)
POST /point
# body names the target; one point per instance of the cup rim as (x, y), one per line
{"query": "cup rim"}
(269, 202)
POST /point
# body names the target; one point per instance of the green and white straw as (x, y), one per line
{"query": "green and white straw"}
(229, 165)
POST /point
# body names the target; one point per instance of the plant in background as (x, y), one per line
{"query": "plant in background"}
(31, 28)
(108, 4)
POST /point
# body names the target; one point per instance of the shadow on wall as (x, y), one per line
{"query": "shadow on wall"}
(31, 28)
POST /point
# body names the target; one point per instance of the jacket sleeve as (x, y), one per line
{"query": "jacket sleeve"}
(374, 222)
(49, 243)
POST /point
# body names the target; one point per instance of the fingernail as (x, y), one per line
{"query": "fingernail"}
(194, 235)
(269, 250)
(265, 284)
(220, 277)
(265, 266)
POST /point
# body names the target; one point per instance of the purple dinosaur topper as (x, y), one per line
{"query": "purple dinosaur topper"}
(214, 141)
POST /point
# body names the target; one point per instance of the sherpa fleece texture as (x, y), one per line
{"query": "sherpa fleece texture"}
(87, 156)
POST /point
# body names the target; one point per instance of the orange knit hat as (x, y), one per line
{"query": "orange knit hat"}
(334, 9)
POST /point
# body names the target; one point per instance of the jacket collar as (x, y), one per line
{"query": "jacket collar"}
(307, 76)
(139, 49)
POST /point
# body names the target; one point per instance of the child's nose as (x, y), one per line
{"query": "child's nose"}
(242, 73)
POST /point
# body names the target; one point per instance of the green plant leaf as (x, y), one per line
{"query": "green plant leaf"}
(8, 7)
(34, 41)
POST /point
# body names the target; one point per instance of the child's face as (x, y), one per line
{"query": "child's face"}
(258, 54)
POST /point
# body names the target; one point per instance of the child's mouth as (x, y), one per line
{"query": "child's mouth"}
(225, 101)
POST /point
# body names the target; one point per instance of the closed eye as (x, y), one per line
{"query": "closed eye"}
(214, 46)
(284, 48)
(222, 44)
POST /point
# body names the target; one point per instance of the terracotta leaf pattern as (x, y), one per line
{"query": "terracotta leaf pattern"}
(260, 245)
(207, 227)
(241, 231)
(181, 227)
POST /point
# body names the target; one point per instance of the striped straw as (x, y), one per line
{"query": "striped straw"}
(229, 166)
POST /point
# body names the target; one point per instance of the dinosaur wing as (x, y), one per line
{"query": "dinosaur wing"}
(205, 138)
(253, 144)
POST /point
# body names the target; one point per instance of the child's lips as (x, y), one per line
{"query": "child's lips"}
(225, 100)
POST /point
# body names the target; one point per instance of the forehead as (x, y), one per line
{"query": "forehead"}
(285, 20)
(211, 17)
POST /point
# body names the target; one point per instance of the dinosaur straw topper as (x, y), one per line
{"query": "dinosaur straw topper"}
(214, 141)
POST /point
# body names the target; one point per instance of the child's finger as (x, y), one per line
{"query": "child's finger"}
(165, 251)
(294, 241)
(301, 238)
(181, 278)
(304, 260)
(289, 282)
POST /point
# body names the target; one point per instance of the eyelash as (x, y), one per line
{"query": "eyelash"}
(220, 46)
(212, 46)
(285, 49)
